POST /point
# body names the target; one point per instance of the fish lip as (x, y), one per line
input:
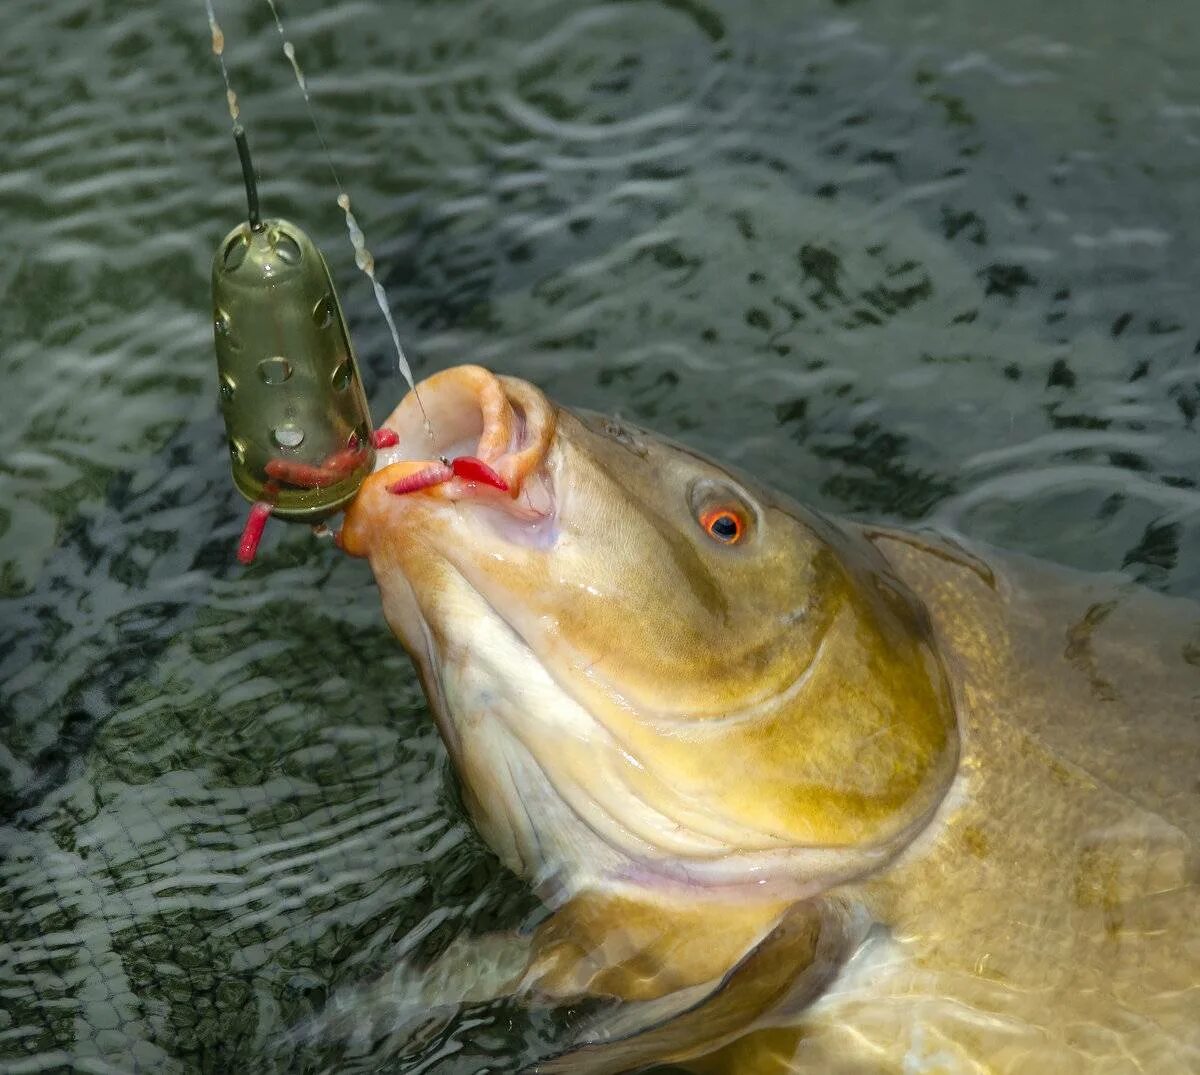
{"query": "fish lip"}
(505, 423)
(468, 411)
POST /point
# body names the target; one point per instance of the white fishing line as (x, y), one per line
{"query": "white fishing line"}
(363, 257)
(218, 47)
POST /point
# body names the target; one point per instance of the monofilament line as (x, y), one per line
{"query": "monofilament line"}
(218, 47)
(362, 256)
(239, 132)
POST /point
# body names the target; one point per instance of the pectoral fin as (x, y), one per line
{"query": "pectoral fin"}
(470, 970)
(787, 970)
(671, 1018)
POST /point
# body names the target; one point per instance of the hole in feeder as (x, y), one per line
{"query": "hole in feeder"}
(323, 312)
(235, 251)
(288, 436)
(286, 248)
(275, 370)
(342, 376)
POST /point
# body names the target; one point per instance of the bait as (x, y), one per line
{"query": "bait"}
(290, 390)
(476, 470)
(330, 472)
(260, 512)
(422, 479)
(466, 467)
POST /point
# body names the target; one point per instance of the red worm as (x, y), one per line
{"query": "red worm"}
(422, 479)
(304, 475)
(385, 438)
(307, 476)
(471, 469)
(260, 512)
(345, 460)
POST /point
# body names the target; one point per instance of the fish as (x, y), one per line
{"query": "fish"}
(800, 794)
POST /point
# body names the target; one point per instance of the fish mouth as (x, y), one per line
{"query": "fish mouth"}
(470, 411)
(462, 434)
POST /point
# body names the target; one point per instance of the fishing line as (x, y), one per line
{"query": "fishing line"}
(363, 257)
(218, 47)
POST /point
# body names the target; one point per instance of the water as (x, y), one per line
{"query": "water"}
(933, 266)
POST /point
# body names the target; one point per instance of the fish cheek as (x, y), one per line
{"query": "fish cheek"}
(895, 731)
(877, 731)
(866, 749)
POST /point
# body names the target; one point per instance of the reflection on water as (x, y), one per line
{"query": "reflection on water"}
(922, 267)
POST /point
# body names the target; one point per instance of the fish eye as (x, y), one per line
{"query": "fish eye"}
(725, 513)
(724, 525)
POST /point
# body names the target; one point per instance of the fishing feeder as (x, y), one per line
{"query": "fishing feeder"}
(291, 394)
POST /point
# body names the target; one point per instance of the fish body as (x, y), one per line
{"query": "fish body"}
(803, 795)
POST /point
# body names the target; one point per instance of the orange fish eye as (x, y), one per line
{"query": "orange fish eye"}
(723, 525)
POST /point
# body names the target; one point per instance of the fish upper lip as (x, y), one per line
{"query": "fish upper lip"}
(468, 411)
(506, 423)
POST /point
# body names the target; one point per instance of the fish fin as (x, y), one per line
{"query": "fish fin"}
(470, 970)
(789, 968)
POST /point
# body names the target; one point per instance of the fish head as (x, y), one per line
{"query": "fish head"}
(648, 669)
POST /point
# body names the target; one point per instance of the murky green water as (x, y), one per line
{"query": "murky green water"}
(925, 262)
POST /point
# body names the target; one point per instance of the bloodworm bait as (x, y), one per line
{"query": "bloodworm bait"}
(466, 467)
(476, 470)
(422, 479)
(260, 512)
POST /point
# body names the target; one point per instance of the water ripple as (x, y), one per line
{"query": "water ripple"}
(867, 254)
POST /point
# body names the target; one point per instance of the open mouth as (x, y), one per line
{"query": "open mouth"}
(469, 413)
(464, 434)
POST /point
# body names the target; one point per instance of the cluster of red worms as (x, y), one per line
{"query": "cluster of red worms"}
(341, 463)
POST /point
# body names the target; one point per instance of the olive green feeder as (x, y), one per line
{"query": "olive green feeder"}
(291, 394)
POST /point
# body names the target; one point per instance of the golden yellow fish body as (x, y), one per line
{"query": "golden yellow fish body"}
(804, 796)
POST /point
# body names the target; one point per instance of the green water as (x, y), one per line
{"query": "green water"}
(925, 262)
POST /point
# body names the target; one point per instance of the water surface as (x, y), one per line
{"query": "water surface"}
(928, 263)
